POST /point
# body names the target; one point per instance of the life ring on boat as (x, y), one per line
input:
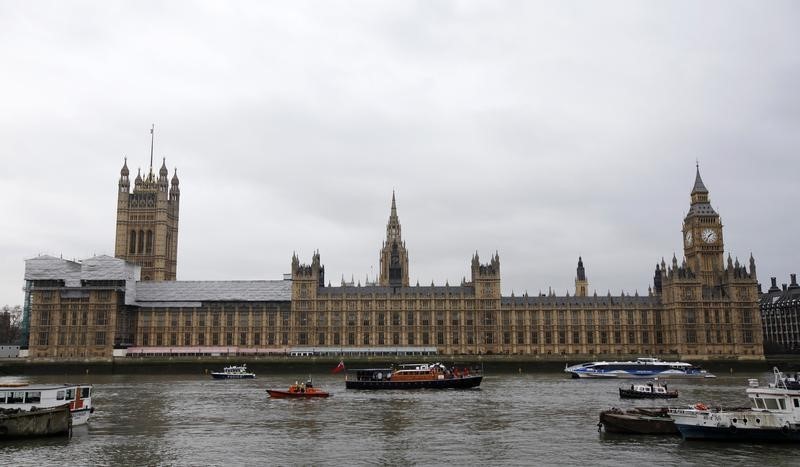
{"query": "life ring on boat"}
(700, 406)
(785, 429)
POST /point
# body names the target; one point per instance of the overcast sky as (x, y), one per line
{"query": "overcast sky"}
(540, 130)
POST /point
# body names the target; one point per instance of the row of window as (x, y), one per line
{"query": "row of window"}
(45, 336)
(425, 338)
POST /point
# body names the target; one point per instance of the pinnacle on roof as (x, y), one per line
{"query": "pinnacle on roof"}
(699, 187)
(581, 271)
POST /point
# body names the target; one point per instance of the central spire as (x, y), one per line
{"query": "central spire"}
(393, 226)
(393, 256)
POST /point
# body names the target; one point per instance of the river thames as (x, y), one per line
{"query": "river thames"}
(512, 419)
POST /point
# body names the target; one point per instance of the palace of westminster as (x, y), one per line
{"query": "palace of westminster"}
(702, 307)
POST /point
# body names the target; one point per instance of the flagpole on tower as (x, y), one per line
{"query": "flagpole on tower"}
(152, 137)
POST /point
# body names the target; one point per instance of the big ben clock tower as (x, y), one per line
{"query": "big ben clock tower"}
(702, 235)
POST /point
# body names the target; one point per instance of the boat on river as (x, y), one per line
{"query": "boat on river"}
(774, 415)
(298, 391)
(233, 372)
(26, 396)
(414, 376)
(639, 421)
(643, 367)
(651, 390)
(19, 423)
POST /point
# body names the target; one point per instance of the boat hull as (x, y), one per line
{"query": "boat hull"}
(277, 394)
(614, 421)
(81, 416)
(447, 383)
(43, 422)
(731, 433)
(634, 375)
(628, 394)
(232, 376)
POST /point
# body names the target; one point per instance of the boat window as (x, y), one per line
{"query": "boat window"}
(15, 397)
(760, 403)
(796, 402)
(3, 398)
(753, 402)
(60, 395)
(70, 394)
(771, 404)
(31, 397)
(85, 392)
(782, 402)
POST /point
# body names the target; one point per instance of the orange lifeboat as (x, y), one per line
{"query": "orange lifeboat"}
(298, 391)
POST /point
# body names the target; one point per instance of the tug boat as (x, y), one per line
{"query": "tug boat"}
(298, 391)
(233, 372)
(651, 390)
(414, 376)
(774, 415)
(643, 367)
(27, 396)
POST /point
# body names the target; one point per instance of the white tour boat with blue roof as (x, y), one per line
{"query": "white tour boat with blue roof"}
(643, 367)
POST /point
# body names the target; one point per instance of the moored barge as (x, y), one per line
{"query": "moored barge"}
(414, 376)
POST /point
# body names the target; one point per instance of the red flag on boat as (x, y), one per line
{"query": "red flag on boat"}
(339, 367)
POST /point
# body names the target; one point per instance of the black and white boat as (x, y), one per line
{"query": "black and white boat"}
(651, 390)
(233, 372)
(774, 415)
(643, 367)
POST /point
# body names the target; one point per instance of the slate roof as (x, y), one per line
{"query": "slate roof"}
(73, 272)
(213, 291)
(701, 209)
(582, 301)
(415, 291)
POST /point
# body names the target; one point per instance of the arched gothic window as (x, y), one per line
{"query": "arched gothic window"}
(132, 242)
(149, 247)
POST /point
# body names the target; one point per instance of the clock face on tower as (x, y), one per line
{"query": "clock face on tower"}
(689, 238)
(709, 235)
(395, 260)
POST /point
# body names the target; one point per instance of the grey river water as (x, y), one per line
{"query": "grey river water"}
(512, 419)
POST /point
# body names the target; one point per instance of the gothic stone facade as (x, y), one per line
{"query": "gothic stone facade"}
(703, 307)
(780, 315)
(147, 222)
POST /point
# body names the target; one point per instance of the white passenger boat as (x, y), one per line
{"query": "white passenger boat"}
(643, 367)
(774, 415)
(25, 396)
(233, 372)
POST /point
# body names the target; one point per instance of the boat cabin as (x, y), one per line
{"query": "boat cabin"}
(41, 395)
(649, 388)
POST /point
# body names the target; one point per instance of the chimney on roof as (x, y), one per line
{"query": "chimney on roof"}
(794, 284)
(783, 286)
